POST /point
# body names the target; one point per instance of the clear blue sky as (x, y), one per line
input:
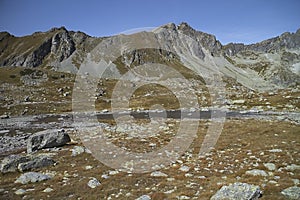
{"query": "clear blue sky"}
(245, 21)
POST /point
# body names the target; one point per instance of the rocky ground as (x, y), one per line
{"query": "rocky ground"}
(263, 153)
(257, 152)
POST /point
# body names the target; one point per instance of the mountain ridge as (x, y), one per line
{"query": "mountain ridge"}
(272, 61)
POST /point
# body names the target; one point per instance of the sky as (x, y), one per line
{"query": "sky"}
(246, 21)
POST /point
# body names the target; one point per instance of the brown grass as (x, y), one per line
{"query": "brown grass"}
(232, 150)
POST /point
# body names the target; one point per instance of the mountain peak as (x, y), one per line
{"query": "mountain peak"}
(184, 25)
(62, 28)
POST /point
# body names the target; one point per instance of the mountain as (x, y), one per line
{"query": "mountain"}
(273, 63)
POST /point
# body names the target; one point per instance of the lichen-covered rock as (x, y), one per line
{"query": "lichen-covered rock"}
(11, 163)
(93, 183)
(77, 150)
(47, 139)
(36, 162)
(22, 163)
(292, 192)
(238, 191)
(32, 177)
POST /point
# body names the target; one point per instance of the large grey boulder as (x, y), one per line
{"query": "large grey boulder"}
(36, 162)
(238, 191)
(47, 139)
(22, 163)
(11, 163)
(32, 177)
(292, 192)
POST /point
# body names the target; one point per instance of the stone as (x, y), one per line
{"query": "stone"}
(93, 183)
(144, 197)
(158, 174)
(183, 197)
(77, 150)
(292, 167)
(296, 181)
(270, 166)
(88, 167)
(184, 168)
(4, 116)
(21, 163)
(238, 191)
(32, 177)
(48, 190)
(47, 139)
(20, 192)
(239, 101)
(275, 150)
(11, 162)
(292, 192)
(256, 172)
(36, 162)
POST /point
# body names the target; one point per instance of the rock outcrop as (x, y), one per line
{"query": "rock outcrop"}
(238, 191)
(47, 139)
(22, 163)
(271, 63)
(40, 48)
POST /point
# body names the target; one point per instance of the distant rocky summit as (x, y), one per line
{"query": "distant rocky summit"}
(265, 65)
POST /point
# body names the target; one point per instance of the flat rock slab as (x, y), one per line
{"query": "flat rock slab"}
(22, 163)
(292, 192)
(32, 177)
(257, 172)
(47, 139)
(238, 191)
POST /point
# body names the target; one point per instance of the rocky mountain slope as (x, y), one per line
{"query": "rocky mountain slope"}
(269, 64)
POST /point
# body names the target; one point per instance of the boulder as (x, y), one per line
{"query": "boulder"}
(292, 192)
(36, 162)
(32, 177)
(93, 183)
(47, 139)
(11, 163)
(22, 163)
(238, 191)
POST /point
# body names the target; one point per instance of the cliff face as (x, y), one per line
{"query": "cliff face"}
(39, 48)
(273, 61)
